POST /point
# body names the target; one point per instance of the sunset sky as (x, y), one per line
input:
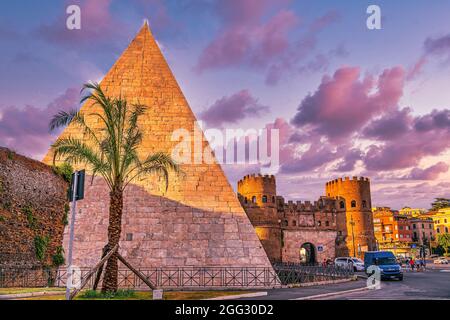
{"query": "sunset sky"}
(347, 100)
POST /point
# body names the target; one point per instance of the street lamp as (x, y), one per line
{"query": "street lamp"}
(352, 223)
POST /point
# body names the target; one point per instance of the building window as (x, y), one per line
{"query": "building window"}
(264, 199)
(414, 226)
(342, 205)
(294, 223)
(319, 223)
(286, 223)
(438, 230)
(429, 226)
(445, 220)
(245, 200)
(446, 229)
(273, 199)
(353, 204)
(423, 226)
(129, 237)
(327, 223)
(364, 204)
(254, 199)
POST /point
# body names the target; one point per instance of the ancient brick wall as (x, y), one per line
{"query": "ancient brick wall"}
(32, 210)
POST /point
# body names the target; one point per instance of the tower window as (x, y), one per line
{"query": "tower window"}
(364, 204)
(342, 205)
(264, 199)
(273, 199)
(254, 199)
(353, 204)
(245, 200)
(294, 223)
(327, 223)
(129, 237)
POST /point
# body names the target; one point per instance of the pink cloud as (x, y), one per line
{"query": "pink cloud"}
(26, 129)
(430, 173)
(232, 109)
(344, 103)
(247, 42)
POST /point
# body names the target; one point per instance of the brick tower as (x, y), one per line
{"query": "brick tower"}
(354, 220)
(199, 220)
(258, 196)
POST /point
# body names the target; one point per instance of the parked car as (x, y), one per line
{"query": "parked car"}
(349, 262)
(386, 263)
(440, 260)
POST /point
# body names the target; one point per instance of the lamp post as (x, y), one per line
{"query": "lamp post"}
(352, 223)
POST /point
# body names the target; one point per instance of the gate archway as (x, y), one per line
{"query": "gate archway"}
(308, 254)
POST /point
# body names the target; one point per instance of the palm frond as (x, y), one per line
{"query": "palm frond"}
(62, 119)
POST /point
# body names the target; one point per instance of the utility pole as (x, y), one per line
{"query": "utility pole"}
(77, 193)
(352, 223)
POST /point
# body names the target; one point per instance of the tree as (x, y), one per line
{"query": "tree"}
(440, 203)
(444, 242)
(111, 153)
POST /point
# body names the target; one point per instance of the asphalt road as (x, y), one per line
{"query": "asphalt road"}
(432, 284)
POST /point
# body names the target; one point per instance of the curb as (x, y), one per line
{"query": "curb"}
(238, 296)
(330, 294)
(317, 283)
(28, 295)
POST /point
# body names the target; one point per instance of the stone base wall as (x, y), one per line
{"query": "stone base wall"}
(159, 232)
(32, 205)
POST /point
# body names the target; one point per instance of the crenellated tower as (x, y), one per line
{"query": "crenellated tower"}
(354, 219)
(258, 195)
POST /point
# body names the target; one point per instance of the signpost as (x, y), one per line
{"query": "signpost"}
(76, 192)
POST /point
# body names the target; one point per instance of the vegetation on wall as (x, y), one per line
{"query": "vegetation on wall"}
(64, 170)
(40, 245)
(58, 257)
(28, 211)
(65, 220)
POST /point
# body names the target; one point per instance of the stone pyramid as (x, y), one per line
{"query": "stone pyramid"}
(199, 220)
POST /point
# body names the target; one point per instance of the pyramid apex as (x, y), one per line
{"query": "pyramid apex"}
(146, 26)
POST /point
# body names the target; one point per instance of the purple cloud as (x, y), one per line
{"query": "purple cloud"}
(430, 173)
(26, 129)
(344, 103)
(390, 126)
(232, 109)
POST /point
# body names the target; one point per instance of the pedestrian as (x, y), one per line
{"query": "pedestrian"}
(412, 263)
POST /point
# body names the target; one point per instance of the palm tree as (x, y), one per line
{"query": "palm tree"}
(111, 153)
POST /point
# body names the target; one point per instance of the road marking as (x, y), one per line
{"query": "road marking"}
(445, 270)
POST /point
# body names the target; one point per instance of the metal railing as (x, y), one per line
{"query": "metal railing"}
(292, 273)
(182, 277)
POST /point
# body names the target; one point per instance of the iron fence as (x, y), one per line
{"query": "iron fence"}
(181, 277)
(292, 273)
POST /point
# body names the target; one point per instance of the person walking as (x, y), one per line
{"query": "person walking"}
(412, 264)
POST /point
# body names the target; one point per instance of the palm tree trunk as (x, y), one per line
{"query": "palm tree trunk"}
(110, 283)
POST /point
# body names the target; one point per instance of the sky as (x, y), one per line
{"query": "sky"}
(347, 100)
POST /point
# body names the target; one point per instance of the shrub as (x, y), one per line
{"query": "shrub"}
(10, 155)
(64, 170)
(58, 257)
(40, 245)
(120, 294)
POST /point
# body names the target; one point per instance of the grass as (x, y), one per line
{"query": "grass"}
(139, 295)
(27, 290)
